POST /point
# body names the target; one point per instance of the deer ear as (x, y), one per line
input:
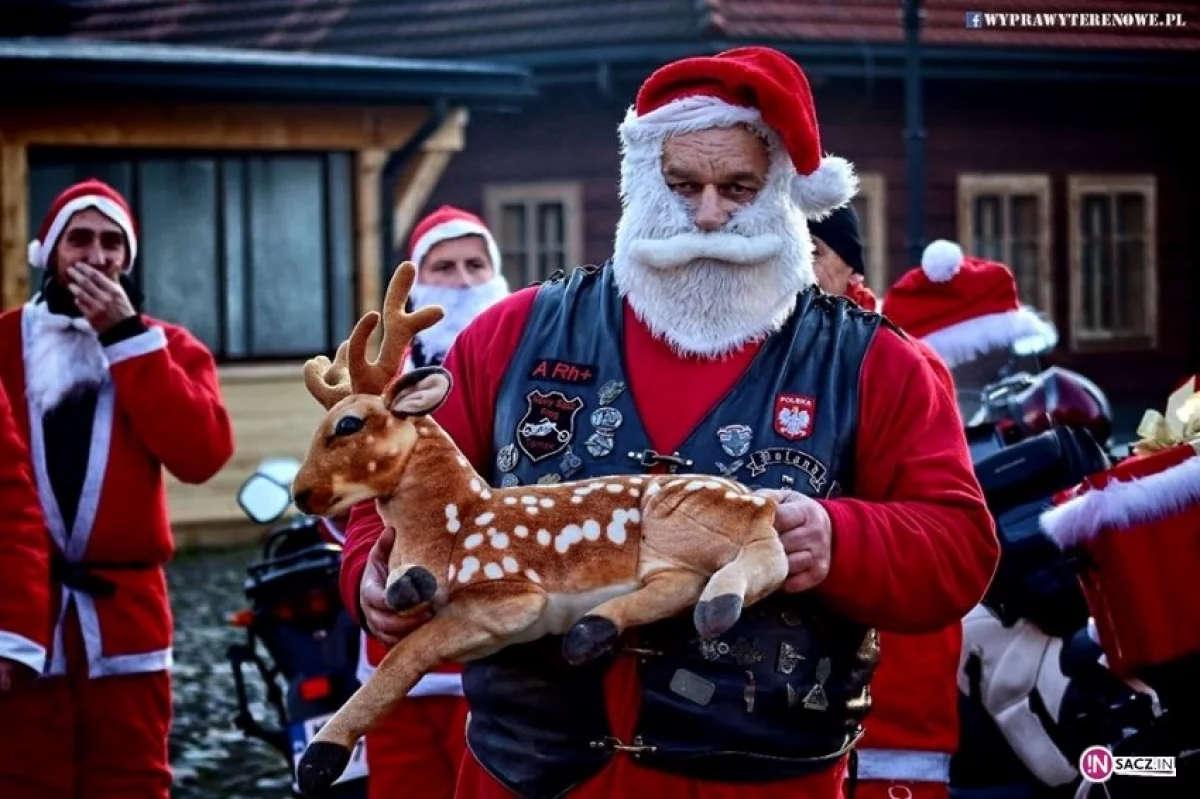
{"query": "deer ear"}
(419, 392)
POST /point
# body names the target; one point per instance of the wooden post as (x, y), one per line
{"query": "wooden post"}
(14, 225)
(368, 171)
(422, 173)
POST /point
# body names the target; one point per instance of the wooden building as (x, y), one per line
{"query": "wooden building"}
(264, 184)
(1053, 148)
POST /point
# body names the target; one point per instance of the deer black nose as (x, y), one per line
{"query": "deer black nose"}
(302, 499)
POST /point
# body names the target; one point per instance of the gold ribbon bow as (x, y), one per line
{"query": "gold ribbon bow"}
(1180, 424)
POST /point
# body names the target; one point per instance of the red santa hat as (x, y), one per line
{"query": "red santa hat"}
(448, 223)
(754, 86)
(963, 307)
(91, 193)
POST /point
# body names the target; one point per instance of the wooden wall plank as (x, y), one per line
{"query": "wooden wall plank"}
(14, 225)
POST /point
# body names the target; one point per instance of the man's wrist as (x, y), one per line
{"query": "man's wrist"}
(127, 328)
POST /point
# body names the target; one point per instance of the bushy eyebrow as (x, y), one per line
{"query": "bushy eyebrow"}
(682, 173)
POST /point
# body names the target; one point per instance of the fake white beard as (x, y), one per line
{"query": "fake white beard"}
(709, 293)
(461, 306)
(62, 356)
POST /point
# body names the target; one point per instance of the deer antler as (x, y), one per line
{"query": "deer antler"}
(350, 371)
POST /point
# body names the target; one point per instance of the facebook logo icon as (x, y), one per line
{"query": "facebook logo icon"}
(974, 19)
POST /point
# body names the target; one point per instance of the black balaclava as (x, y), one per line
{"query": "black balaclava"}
(839, 231)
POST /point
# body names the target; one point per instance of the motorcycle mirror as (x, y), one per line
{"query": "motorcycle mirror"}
(264, 499)
(279, 470)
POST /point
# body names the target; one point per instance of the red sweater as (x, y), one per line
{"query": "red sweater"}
(24, 552)
(912, 552)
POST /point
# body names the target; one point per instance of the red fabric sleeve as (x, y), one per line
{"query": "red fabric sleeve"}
(940, 370)
(24, 552)
(166, 381)
(915, 549)
(477, 361)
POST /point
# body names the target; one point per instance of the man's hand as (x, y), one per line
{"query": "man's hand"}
(384, 623)
(806, 534)
(101, 299)
(13, 675)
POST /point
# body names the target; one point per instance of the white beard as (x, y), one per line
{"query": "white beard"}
(461, 306)
(63, 356)
(709, 294)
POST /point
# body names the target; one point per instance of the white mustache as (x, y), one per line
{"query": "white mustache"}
(684, 248)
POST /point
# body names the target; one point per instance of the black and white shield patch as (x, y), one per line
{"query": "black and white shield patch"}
(735, 439)
(548, 425)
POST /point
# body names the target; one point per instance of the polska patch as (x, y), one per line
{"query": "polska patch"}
(763, 459)
(562, 372)
(794, 416)
(548, 425)
(735, 439)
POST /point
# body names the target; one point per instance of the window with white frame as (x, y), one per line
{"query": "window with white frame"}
(871, 206)
(1114, 293)
(1006, 218)
(538, 227)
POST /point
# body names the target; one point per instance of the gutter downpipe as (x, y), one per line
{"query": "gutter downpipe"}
(390, 177)
(914, 130)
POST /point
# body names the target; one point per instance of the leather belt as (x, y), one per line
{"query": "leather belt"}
(82, 575)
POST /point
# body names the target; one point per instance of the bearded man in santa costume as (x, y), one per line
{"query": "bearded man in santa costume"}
(24, 565)
(912, 731)
(706, 346)
(110, 397)
(418, 748)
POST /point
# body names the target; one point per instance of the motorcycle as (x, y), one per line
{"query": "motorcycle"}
(299, 641)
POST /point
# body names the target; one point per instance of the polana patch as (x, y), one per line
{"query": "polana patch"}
(548, 425)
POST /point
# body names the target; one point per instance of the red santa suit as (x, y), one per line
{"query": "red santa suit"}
(24, 555)
(95, 727)
(418, 747)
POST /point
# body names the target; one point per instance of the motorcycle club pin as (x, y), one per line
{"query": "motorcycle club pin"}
(735, 441)
(605, 420)
(506, 461)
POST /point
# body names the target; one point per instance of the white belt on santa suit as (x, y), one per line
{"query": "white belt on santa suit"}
(909, 765)
(432, 684)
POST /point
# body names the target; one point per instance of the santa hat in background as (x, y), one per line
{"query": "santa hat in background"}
(754, 86)
(448, 223)
(963, 307)
(91, 193)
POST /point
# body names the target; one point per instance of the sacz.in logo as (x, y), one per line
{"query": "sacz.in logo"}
(1097, 764)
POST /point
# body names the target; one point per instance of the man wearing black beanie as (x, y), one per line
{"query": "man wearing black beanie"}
(838, 253)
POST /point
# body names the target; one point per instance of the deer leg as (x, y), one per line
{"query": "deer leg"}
(758, 569)
(663, 594)
(410, 586)
(475, 621)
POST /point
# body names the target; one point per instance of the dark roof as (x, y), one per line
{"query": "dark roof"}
(32, 63)
(516, 29)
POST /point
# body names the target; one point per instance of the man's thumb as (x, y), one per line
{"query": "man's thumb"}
(383, 544)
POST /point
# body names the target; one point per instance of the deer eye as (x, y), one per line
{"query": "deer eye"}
(348, 426)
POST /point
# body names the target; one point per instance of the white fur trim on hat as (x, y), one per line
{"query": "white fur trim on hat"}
(39, 251)
(831, 186)
(965, 341)
(1122, 505)
(941, 260)
(455, 229)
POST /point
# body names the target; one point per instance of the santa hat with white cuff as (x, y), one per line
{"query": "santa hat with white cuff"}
(757, 87)
(91, 193)
(963, 307)
(447, 223)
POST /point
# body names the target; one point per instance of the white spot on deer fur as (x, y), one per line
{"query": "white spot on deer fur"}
(533, 576)
(484, 518)
(546, 502)
(531, 511)
(470, 565)
(528, 500)
(616, 528)
(372, 466)
(615, 488)
(510, 500)
(543, 537)
(510, 565)
(731, 495)
(473, 540)
(500, 541)
(493, 571)
(637, 481)
(521, 531)
(452, 523)
(574, 533)
(450, 577)
(475, 485)
(759, 501)
(485, 494)
(633, 492)
(595, 486)
(653, 489)
(577, 500)
(461, 460)
(676, 483)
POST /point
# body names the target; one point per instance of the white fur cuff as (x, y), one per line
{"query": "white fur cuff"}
(143, 343)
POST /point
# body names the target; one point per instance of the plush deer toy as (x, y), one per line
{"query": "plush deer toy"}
(585, 559)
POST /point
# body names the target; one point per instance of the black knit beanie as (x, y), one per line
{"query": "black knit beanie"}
(839, 231)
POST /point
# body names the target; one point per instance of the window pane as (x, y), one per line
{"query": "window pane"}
(1096, 261)
(1130, 295)
(1023, 246)
(550, 225)
(1131, 214)
(287, 256)
(178, 256)
(512, 241)
(988, 230)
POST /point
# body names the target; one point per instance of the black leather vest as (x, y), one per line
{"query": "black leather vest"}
(780, 695)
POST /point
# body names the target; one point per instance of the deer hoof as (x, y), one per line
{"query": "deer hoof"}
(415, 587)
(589, 638)
(320, 765)
(715, 616)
